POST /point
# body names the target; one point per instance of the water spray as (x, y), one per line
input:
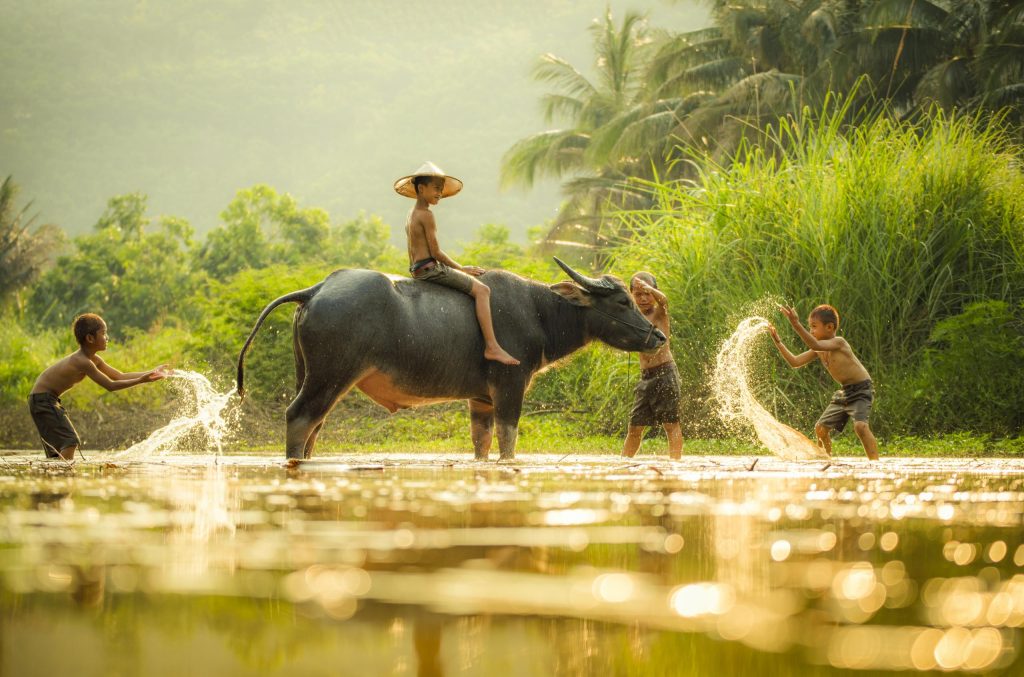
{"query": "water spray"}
(737, 401)
(202, 411)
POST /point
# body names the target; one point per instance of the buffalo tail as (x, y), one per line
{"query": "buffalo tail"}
(301, 296)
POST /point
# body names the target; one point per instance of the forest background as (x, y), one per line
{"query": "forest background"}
(865, 154)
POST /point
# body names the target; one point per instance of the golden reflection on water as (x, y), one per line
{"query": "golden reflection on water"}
(900, 565)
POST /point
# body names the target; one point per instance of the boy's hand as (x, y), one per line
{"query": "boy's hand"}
(156, 374)
(790, 314)
(774, 332)
(475, 271)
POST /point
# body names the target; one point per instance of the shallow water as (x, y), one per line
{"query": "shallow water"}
(426, 564)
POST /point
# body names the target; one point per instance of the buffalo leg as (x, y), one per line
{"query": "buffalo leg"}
(307, 451)
(481, 417)
(307, 411)
(508, 406)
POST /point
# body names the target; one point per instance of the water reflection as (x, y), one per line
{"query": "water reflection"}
(442, 567)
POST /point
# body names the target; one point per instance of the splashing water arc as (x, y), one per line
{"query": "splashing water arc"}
(737, 402)
(202, 411)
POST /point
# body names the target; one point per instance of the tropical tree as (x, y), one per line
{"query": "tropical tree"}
(24, 250)
(260, 227)
(703, 95)
(585, 105)
(132, 277)
(918, 53)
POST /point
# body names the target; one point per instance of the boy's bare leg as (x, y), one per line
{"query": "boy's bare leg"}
(867, 438)
(481, 293)
(68, 453)
(823, 439)
(634, 436)
(675, 439)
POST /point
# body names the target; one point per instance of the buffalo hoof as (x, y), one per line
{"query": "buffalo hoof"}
(507, 458)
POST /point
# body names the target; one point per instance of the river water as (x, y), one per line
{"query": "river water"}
(430, 565)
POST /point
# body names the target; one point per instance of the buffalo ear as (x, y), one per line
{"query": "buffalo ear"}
(572, 293)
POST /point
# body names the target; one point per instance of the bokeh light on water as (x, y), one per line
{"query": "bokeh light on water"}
(437, 565)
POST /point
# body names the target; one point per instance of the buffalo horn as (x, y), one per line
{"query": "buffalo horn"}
(588, 283)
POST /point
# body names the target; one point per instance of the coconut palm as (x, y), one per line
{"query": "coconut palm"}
(585, 105)
(24, 251)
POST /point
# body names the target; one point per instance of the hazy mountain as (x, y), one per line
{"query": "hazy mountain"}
(190, 100)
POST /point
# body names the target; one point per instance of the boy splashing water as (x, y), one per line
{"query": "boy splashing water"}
(429, 263)
(855, 398)
(60, 439)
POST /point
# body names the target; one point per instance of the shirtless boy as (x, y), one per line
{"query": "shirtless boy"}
(59, 437)
(657, 394)
(855, 398)
(429, 263)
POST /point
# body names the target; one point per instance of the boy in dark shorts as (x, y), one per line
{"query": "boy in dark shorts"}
(60, 439)
(856, 396)
(656, 399)
(428, 263)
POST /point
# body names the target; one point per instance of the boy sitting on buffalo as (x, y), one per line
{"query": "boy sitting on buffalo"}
(429, 263)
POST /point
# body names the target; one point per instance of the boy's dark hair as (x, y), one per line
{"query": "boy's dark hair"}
(826, 314)
(646, 277)
(418, 181)
(86, 324)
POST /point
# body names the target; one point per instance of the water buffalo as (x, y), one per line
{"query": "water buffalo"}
(407, 343)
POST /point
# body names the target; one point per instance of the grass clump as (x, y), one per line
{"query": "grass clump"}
(900, 227)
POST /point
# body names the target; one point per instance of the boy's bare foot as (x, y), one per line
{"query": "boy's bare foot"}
(499, 355)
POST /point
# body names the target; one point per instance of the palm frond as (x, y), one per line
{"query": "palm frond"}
(564, 76)
(947, 84)
(550, 153)
(906, 13)
(562, 106)
(713, 75)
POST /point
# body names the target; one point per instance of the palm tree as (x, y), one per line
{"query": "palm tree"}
(705, 94)
(585, 105)
(919, 53)
(23, 251)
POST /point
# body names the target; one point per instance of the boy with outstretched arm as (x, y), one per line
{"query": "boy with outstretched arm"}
(656, 399)
(429, 263)
(60, 439)
(855, 398)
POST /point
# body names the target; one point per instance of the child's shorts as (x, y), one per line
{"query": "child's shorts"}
(853, 401)
(438, 273)
(53, 423)
(656, 398)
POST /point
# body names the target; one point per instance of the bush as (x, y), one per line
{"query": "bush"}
(899, 227)
(970, 375)
(26, 355)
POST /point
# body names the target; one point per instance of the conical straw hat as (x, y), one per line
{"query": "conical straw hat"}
(404, 185)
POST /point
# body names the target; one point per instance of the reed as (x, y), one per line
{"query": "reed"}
(897, 226)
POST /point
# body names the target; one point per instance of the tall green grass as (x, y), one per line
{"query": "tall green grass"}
(897, 226)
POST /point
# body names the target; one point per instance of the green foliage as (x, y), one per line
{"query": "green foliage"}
(226, 312)
(363, 242)
(262, 227)
(25, 355)
(899, 227)
(969, 375)
(24, 250)
(492, 249)
(594, 388)
(128, 275)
